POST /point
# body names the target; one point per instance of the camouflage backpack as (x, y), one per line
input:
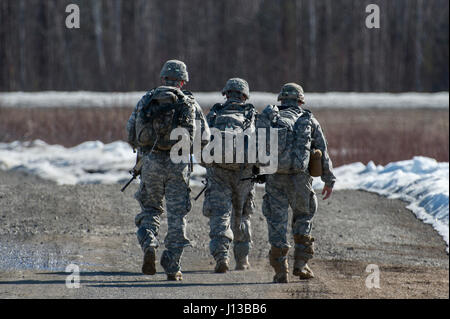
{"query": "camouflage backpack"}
(231, 119)
(165, 109)
(293, 128)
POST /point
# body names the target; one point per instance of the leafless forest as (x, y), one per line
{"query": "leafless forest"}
(322, 44)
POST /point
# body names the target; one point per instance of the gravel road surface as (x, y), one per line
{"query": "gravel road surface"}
(45, 227)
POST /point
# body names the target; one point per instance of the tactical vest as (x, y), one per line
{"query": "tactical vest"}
(294, 129)
(166, 109)
(233, 119)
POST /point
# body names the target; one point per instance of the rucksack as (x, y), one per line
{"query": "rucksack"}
(165, 110)
(234, 118)
(294, 128)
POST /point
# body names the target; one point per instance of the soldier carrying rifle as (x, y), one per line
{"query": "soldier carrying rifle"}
(158, 112)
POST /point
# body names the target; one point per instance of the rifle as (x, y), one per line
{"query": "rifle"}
(258, 178)
(136, 171)
(203, 189)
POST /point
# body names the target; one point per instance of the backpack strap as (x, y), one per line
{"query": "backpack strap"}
(145, 100)
(217, 107)
(187, 92)
(213, 113)
(309, 114)
(250, 115)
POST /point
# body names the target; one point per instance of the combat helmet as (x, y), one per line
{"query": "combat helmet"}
(175, 69)
(292, 91)
(237, 85)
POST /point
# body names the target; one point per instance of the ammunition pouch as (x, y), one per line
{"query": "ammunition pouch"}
(315, 163)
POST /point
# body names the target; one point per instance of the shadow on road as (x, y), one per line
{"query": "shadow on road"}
(173, 284)
(95, 273)
(125, 283)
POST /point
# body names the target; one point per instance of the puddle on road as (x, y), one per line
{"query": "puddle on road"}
(14, 256)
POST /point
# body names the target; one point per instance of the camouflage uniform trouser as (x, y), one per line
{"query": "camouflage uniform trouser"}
(225, 198)
(282, 191)
(161, 178)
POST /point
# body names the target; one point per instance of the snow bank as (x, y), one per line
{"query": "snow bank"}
(207, 99)
(421, 181)
(88, 163)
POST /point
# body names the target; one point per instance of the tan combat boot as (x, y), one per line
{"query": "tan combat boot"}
(242, 263)
(301, 256)
(148, 266)
(279, 262)
(178, 276)
(222, 266)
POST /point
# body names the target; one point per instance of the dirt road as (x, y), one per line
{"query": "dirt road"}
(45, 227)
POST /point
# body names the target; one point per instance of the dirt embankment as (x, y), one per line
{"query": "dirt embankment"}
(45, 227)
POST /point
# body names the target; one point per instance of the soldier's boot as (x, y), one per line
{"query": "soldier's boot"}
(148, 266)
(242, 263)
(178, 276)
(279, 261)
(304, 251)
(302, 270)
(170, 261)
(241, 250)
(222, 266)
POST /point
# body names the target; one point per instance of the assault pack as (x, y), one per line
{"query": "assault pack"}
(163, 109)
(294, 128)
(233, 119)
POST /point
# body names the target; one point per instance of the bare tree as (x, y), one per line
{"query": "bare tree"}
(323, 44)
(98, 31)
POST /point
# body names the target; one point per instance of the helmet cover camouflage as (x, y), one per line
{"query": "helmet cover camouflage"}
(175, 69)
(292, 91)
(238, 85)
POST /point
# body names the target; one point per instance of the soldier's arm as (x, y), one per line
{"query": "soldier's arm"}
(205, 133)
(319, 142)
(131, 128)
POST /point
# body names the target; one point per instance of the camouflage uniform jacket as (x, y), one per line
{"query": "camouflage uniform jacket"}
(320, 142)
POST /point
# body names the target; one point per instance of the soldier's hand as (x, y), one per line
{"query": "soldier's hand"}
(327, 192)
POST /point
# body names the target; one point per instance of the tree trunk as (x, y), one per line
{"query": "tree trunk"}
(98, 31)
(418, 46)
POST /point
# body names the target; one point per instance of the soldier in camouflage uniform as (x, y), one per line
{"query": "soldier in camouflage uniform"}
(160, 178)
(229, 202)
(295, 190)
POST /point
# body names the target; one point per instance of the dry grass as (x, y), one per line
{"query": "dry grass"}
(353, 135)
(67, 127)
(385, 135)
